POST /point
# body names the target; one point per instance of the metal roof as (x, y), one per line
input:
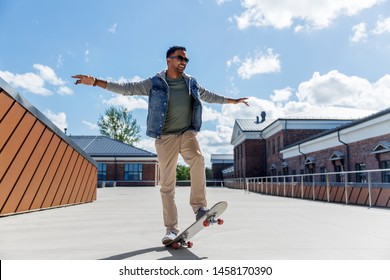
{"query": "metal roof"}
(103, 146)
(330, 113)
(252, 125)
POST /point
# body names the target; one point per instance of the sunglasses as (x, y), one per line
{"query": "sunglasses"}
(180, 58)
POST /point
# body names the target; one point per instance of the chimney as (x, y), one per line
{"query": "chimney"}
(263, 114)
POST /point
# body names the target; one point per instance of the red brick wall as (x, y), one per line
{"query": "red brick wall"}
(359, 152)
(115, 172)
(249, 159)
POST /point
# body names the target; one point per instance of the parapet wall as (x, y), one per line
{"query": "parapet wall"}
(40, 167)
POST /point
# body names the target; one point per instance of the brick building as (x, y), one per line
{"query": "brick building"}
(331, 160)
(218, 163)
(360, 145)
(120, 164)
(258, 143)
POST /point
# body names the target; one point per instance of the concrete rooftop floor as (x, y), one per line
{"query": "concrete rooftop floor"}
(126, 224)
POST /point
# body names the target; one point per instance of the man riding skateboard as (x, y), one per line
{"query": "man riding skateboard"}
(174, 118)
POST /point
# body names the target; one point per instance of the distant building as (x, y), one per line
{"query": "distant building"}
(219, 162)
(259, 145)
(316, 156)
(357, 146)
(120, 164)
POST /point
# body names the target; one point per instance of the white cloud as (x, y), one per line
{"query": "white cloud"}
(221, 2)
(58, 119)
(129, 102)
(235, 60)
(47, 73)
(112, 28)
(122, 79)
(65, 91)
(359, 33)
(215, 142)
(209, 114)
(146, 144)
(36, 83)
(60, 61)
(28, 81)
(260, 63)
(337, 89)
(284, 13)
(281, 95)
(86, 56)
(91, 126)
(382, 26)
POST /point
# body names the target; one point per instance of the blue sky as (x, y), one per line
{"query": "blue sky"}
(286, 56)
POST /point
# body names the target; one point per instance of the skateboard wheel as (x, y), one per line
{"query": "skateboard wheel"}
(206, 223)
(189, 244)
(220, 221)
(175, 245)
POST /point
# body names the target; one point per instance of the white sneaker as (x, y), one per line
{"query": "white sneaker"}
(169, 237)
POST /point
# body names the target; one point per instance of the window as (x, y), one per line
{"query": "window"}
(385, 174)
(339, 176)
(268, 147)
(310, 170)
(102, 171)
(302, 171)
(322, 176)
(273, 147)
(361, 177)
(133, 172)
(294, 178)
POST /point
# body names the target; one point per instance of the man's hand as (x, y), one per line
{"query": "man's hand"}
(239, 100)
(85, 80)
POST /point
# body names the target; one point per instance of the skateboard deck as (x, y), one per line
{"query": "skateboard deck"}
(211, 217)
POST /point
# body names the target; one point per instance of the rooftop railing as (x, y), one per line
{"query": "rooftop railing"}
(362, 187)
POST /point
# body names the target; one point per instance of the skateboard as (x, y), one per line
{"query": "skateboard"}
(210, 218)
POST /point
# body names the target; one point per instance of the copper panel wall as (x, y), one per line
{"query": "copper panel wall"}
(40, 167)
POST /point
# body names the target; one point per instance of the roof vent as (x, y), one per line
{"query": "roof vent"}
(263, 114)
(262, 117)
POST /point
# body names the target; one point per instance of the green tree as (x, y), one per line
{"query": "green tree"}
(182, 173)
(209, 173)
(118, 123)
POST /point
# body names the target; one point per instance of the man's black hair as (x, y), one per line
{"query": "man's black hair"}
(172, 50)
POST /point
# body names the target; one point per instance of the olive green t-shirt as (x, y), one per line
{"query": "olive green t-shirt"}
(179, 114)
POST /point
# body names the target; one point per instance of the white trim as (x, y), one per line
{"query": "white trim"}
(359, 132)
(381, 147)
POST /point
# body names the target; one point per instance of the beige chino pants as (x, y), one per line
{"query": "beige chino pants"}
(168, 148)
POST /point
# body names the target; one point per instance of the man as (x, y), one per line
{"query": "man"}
(174, 118)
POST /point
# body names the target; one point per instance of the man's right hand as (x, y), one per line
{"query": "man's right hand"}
(85, 80)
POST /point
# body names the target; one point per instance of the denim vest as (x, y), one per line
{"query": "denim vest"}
(158, 105)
